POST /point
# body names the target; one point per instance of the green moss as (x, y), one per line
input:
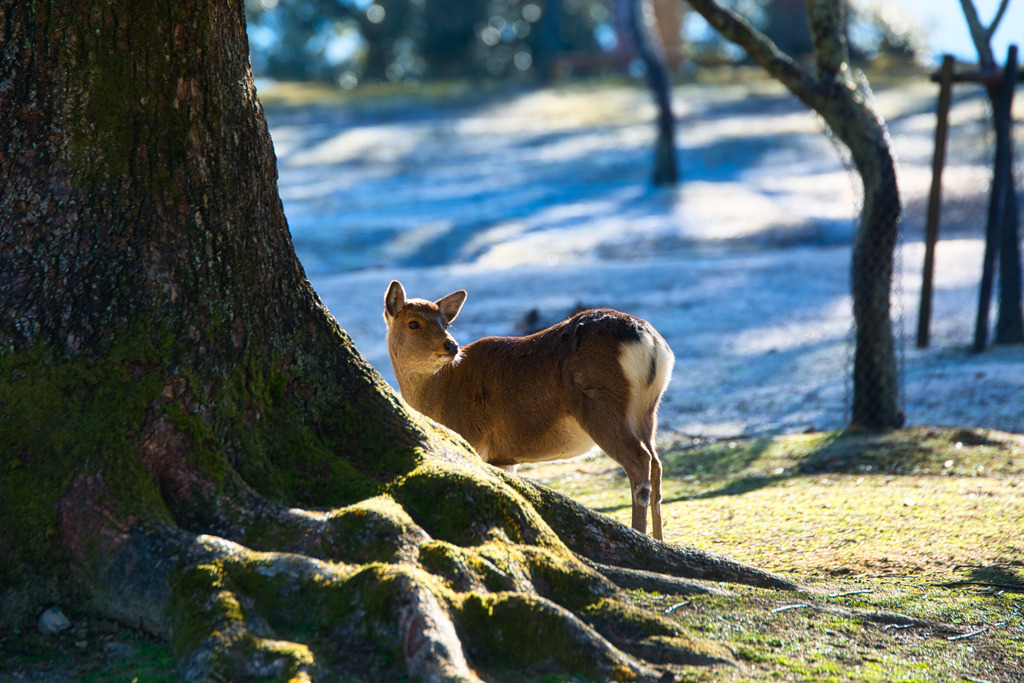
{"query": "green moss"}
(462, 569)
(465, 507)
(211, 624)
(373, 530)
(523, 633)
(305, 441)
(627, 621)
(336, 607)
(288, 457)
(202, 607)
(562, 578)
(289, 442)
(59, 417)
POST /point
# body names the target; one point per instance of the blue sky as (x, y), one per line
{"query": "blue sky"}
(948, 29)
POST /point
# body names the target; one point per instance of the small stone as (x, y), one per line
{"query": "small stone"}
(53, 621)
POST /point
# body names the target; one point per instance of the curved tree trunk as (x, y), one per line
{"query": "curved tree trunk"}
(844, 101)
(191, 444)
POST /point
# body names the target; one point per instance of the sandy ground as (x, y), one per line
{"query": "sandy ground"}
(540, 201)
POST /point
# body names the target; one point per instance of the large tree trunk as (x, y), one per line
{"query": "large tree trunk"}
(844, 101)
(190, 443)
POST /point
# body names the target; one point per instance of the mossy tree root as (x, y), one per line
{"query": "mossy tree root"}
(232, 613)
(653, 582)
(308, 592)
(247, 588)
(249, 615)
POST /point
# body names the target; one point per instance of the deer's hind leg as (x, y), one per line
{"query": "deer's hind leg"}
(656, 530)
(647, 435)
(614, 435)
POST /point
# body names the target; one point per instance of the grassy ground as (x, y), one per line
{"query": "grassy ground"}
(926, 523)
(929, 522)
(91, 651)
(920, 501)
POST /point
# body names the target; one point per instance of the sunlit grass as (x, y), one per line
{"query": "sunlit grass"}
(840, 505)
(928, 523)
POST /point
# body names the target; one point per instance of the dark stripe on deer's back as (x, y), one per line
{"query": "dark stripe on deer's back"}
(622, 327)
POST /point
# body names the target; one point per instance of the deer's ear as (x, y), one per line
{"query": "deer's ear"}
(451, 305)
(394, 300)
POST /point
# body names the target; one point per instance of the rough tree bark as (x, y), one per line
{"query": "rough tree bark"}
(844, 100)
(189, 442)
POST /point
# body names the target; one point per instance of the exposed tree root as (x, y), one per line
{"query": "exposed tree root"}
(451, 574)
(431, 646)
(529, 632)
(886, 618)
(638, 579)
(277, 591)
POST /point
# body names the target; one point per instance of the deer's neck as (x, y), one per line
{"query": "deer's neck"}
(427, 392)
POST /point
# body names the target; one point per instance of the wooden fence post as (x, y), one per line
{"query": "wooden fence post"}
(924, 311)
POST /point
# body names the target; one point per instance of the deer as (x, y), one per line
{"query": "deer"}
(594, 379)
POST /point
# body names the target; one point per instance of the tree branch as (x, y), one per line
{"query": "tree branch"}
(830, 51)
(998, 18)
(761, 49)
(981, 35)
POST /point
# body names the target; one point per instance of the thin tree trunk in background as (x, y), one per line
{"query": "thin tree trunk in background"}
(642, 27)
(935, 200)
(1010, 320)
(545, 58)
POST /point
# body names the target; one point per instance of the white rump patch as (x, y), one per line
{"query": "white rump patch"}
(637, 360)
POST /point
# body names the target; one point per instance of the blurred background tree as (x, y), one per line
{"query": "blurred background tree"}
(348, 42)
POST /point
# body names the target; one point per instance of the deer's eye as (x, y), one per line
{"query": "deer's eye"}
(414, 325)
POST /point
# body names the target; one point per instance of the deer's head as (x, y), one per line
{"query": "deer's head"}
(418, 338)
